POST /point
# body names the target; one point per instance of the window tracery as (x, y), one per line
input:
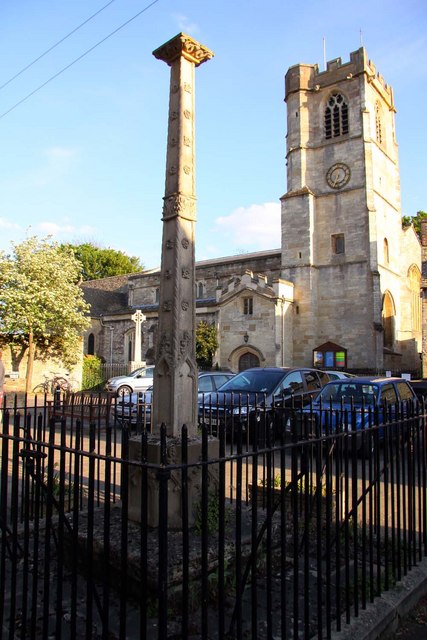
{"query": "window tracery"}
(336, 116)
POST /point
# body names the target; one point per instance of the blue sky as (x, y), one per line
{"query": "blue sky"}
(83, 159)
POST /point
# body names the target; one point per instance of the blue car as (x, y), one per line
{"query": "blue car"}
(356, 404)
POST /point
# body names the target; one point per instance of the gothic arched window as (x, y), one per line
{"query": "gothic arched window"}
(414, 277)
(388, 320)
(336, 116)
(91, 344)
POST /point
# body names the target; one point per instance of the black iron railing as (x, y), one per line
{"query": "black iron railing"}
(287, 529)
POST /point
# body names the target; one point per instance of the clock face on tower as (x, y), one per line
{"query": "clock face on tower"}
(338, 175)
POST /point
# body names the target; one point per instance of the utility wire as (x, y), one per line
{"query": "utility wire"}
(2, 115)
(54, 45)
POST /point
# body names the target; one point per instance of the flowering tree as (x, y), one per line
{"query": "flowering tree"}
(41, 303)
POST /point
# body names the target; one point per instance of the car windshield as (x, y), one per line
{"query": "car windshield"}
(348, 393)
(259, 381)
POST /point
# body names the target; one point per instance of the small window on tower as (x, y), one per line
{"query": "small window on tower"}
(338, 243)
(378, 123)
(248, 306)
(386, 252)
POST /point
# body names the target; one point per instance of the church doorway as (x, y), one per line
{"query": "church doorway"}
(248, 360)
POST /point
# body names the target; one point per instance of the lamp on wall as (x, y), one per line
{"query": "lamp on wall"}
(246, 336)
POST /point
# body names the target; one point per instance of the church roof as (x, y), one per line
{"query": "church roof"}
(104, 301)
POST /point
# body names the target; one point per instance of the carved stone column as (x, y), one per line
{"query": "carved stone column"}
(175, 373)
(175, 377)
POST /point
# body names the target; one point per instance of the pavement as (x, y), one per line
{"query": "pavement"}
(399, 613)
(414, 625)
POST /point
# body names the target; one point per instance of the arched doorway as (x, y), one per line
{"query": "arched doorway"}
(248, 360)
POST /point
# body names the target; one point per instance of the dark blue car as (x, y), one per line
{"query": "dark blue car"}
(257, 400)
(357, 404)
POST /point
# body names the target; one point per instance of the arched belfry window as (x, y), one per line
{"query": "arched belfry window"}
(414, 277)
(336, 116)
(388, 320)
(378, 123)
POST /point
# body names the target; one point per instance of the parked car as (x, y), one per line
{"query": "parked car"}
(339, 375)
(136, 407)
(258, 398)
(138, 380)
(355, 404)
(212, 380)
(420, 388)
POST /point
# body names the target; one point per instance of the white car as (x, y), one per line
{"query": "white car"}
(339, 375)
(138, 380)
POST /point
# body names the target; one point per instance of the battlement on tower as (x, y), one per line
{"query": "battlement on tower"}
(307, 77)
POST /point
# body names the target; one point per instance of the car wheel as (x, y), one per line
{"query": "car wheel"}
(124, 391)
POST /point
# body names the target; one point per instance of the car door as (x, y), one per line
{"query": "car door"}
(144, 379)
(287, 398)
(313, 384)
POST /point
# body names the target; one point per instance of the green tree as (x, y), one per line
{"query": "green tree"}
(100, 263)
(206, 343)
(415, 220)
(42, 306)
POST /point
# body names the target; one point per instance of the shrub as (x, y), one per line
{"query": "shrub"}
(93, 378)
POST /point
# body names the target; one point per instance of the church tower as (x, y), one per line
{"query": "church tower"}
(355, 270)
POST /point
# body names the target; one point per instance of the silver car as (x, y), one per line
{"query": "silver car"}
(138, 380)
(136, 408)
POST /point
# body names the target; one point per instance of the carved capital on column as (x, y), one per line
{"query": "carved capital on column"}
(179, 205)
(183, 46)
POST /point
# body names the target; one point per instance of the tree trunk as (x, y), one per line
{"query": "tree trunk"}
(30, 362)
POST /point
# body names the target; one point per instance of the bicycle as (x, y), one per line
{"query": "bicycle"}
(60, 383)
(43, 387)
(52, 385)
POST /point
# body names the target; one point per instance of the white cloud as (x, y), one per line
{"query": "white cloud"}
(64, 231)
(58, 162)
(59, 153)
(7, 224)
(185, 25)
(253, 228)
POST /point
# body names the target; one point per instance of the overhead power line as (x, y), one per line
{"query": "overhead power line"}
(17, 104)
(42, 55)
